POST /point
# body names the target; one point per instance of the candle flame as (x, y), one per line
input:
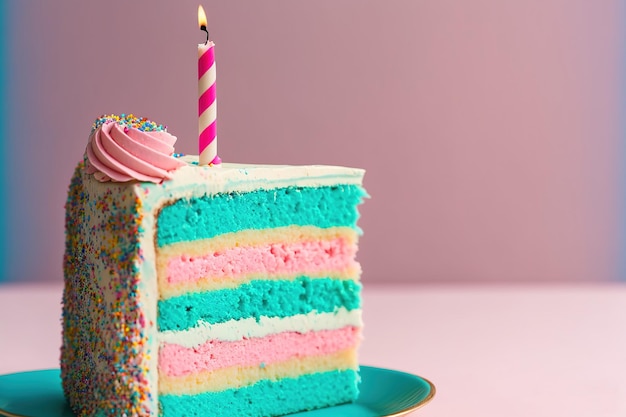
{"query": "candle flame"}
(201, 18)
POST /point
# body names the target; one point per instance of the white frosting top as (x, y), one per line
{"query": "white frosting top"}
(192, 180)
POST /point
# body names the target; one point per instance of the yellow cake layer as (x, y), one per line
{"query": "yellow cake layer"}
(248, 238)
(258, 237)
(240, 376)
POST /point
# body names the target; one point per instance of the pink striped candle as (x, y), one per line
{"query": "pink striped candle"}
(207, 99)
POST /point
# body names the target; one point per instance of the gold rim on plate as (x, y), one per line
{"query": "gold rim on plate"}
(419, 404)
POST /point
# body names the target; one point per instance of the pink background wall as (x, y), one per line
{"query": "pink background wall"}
(490, 130)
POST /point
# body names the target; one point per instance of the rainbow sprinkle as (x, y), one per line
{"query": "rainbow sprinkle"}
(129, 121)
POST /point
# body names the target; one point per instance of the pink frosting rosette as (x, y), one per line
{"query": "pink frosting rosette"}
(127, 148)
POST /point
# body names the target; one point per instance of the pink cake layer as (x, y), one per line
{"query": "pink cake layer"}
(176, 360)
(274, 259)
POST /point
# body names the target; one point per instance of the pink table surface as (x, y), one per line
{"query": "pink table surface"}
(490, 350)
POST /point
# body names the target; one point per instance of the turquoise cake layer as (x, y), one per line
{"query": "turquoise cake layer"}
(267, 398)
(272, 298)
(207, 217)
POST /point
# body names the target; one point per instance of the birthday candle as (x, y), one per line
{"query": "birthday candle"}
(207, 99)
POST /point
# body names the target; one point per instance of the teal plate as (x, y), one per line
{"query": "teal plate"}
(383, 393)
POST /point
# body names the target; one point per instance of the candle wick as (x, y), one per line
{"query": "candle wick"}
(203, 27)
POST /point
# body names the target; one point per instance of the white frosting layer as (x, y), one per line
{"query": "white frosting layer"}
(233, 330)
(193, 180)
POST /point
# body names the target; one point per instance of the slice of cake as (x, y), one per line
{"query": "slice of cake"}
(207, 291)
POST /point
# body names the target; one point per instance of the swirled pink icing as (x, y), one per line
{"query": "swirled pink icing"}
(116, 152)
